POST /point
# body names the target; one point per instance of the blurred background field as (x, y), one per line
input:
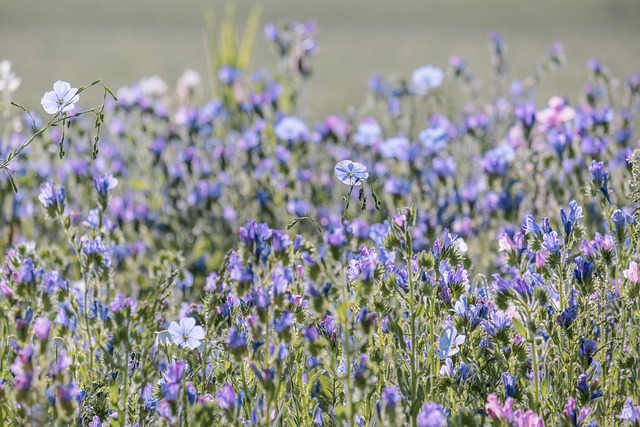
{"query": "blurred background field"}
(120, 41)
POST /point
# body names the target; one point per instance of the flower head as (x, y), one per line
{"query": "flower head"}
(291, 129)
(631, 274)
(51, 198)
(9, 81)
(425, 78)
(226, 396)
(186, 334)
(431, 415)
(350, 173)
(449, 342)
(557, 113)
(104, 184)
(61, 99)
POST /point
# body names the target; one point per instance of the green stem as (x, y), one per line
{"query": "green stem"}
(412, 326)
(344, 318)
(85, 278)
(536, 377)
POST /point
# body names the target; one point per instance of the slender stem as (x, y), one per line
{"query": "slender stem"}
(347, 351)
(85, 278)
(266, 365)
(412, 326)
(536, 377)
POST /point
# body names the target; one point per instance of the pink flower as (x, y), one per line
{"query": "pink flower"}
(528, 419)
(631, 274)
(498, 412)
(556, 113)
(506, 244)
(400, 220)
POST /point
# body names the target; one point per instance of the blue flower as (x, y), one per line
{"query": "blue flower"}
(510, 384)
(570, 220)
(105, 184)
(449, 343)
(434, 139)
(432, 415)
(291, 129)
(284, 322)
(600, 178)
(53, 200)
(350, 173)
(226, 397)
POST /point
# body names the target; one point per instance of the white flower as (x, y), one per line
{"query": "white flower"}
(9, 81)
(164, 338)
(61, 99)
(426, 78)
(369, 132)
(350, 173)
(153, 86)
(186, 334)
(187, 84)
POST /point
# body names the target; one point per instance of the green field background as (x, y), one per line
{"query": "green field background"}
(120, 41)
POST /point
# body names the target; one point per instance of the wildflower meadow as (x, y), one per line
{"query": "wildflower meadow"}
(449, 253)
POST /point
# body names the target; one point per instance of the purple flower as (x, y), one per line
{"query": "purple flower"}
(236, 341)
(68, 393)
(41, 328)
(496, 161)
(229, 75)
(630, 413)
(284, 322)
(391, 397)
(431, 415)
(105, 184)
(226, 397)
(172, 378)
(53, 200)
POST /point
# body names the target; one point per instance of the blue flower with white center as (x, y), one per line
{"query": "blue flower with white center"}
(350, 173)
(449, 343)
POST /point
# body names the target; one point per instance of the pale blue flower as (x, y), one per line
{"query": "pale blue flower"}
(396, 147)
(291, 129)
(350, 173)
(369, 132)
(449, 342)
(425, 78)
(61, 99)
(186, 334)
